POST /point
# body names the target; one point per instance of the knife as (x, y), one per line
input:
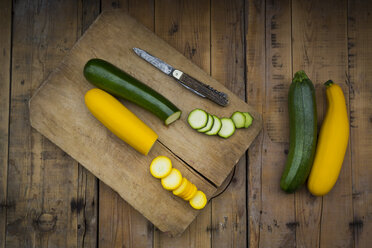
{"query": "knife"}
(184, 79)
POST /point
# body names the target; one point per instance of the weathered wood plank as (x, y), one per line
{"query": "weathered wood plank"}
(278, 222)
(360, 96)
(42, 180)
(319, 48)
(187, 28)
(256, 90)
(121, 224)
(87, 217)
(5, 54)
(229, 223)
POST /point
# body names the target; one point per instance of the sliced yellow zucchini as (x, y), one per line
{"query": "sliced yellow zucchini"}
(187, 189)
(199, 200)
(191, 193)
(181, 188)
(173, 180)
(160, 167)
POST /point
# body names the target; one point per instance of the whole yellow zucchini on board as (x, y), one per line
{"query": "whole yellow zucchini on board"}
(332, 143)
(120, 120)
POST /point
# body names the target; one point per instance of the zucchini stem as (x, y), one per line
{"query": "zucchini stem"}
(299, 77)
(328, 83)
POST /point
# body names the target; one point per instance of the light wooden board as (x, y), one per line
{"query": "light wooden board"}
(187, 28)
(119, 223)
(58, 112)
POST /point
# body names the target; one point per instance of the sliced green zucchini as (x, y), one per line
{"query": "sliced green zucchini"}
(208, 126)
(248, 119)
(216, 126)
(197, 119)
(238, 119)
(227, 129)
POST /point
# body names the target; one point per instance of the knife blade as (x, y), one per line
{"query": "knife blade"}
(184, 79)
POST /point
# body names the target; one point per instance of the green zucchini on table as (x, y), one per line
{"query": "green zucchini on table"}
(303, 132)
(108, 77)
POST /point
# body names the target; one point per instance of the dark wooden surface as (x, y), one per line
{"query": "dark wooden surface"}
(253, 47)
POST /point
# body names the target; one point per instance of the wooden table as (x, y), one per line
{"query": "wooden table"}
(48, 200)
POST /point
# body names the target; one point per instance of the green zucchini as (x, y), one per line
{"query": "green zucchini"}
(108, 77)
(238, 119)
(303, 132)
(208, 126)
(198, 119)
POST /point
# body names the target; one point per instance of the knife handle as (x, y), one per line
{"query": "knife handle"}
(205, 90)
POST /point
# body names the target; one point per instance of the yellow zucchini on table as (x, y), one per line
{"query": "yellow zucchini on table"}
(120, 120)
(332, 143)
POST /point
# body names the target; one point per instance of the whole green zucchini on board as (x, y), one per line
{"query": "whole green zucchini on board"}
(303, 132)
(108, 77)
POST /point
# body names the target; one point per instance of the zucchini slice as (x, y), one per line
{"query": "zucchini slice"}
(172, 181)
(187, 190)
(238, 119)
(227, 129)
(216, 126)
(181, 188)
(199, 200)
(197, 119)
(248, 119)
(191, 193)
(160, 167)
(208, 126)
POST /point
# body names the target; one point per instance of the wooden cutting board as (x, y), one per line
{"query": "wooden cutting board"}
(57, 110)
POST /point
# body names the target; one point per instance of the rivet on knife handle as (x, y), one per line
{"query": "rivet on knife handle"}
(203, 89)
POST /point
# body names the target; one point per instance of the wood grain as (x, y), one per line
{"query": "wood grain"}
(255, 51)
(87, 217)
(360, 97)
(319, 31)
(278, 223)
(42, 180)
(70, 71)
(120, 223)
(5, 53)
(227, 66)
(187, 28)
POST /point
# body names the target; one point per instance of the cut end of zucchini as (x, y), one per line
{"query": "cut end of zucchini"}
(197, 119)
(173, 117)
(199, 200)
(248, 119)
(227, 129)
(160, 167)
(216, 126)
(208, 126)
(238, 119)
(172, 181)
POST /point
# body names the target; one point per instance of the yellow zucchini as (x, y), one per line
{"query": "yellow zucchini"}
(332, 143)
(199, 200)
(120, 120)
(181, 188)
(191, 193)
(172, 181)
(160, 167)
